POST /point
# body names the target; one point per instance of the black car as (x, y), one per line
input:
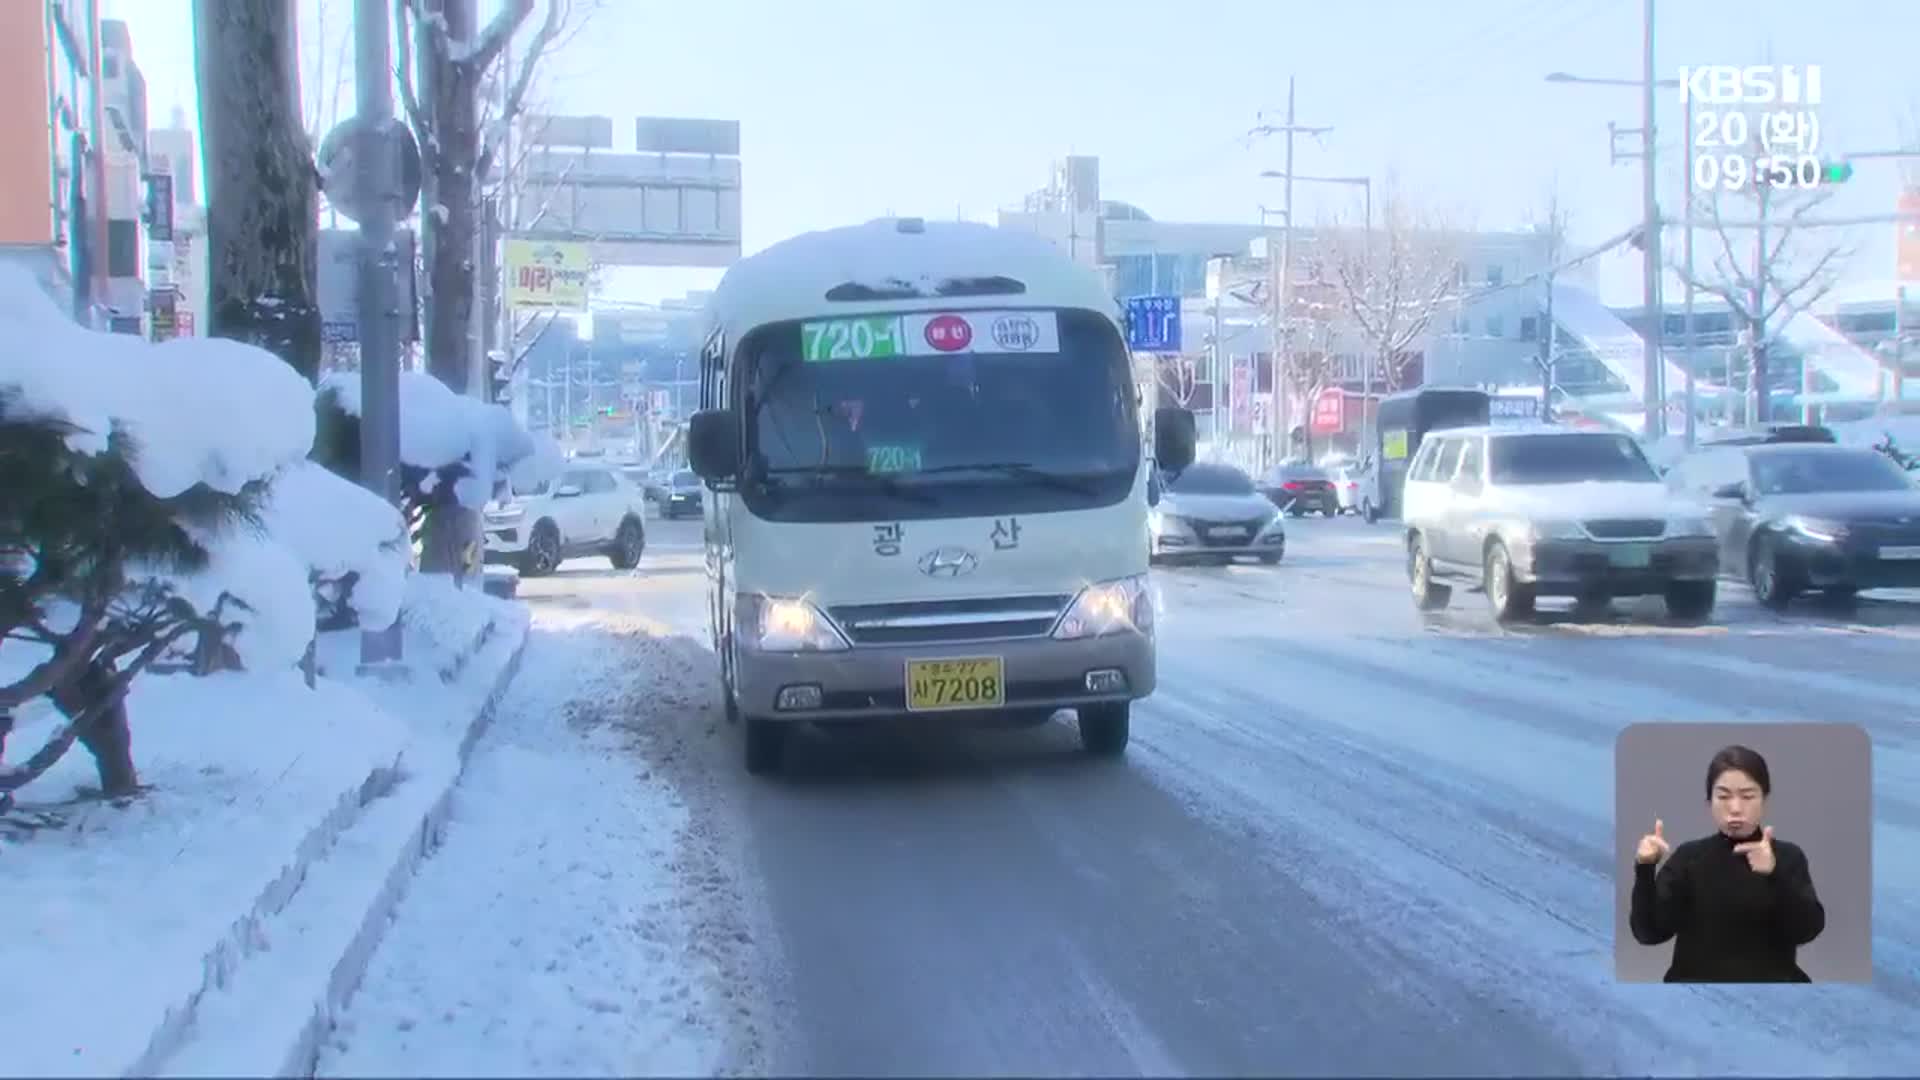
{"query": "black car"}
(682, 495)
(1300, 489)
(1794, 517)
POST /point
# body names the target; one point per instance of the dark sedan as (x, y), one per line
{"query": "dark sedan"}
(682, 495)
(1800, 517)
(1300, 489)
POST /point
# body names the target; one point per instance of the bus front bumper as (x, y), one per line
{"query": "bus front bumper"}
(871, 682)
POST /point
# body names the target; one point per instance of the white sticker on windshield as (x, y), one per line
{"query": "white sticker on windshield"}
(935, 334)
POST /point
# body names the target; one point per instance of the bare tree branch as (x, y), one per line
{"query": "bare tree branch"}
(1388, 282)
(404, 11)
(493, 40)
(491, 139)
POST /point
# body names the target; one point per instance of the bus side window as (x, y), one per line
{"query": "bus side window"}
(713, 371)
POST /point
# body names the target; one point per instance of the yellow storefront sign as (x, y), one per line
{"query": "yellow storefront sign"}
(548, 274)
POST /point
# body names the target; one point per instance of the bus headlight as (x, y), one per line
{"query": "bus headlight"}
(787, 624)
(1124, 605)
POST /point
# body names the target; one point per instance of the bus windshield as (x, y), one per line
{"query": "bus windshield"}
(869, 407)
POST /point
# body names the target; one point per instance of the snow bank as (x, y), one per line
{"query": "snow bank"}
(538, 467)
(338, 527)
(439, 428)
(442, 621)
(246, 413)
(111, 917)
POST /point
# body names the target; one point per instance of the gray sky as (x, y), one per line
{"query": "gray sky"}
(851, 109)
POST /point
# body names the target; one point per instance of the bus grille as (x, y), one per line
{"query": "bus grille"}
(933, 621)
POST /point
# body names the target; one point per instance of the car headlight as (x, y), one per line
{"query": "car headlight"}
(1122, 606)
(1826, 532)
(1274, 524)
(1689, 526)
(787, 624)
(1556, 530)
(507, 513)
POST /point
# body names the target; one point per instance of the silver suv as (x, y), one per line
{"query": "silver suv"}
(1538, 510)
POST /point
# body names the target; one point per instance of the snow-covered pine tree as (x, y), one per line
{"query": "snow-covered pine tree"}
(73, 525)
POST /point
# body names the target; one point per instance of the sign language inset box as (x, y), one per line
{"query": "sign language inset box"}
(1744, 853)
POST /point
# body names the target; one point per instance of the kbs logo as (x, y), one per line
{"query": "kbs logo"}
(1761, 84)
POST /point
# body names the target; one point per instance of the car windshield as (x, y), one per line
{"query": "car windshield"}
(1208, 479)
(878, 404)
(1568, 459)
(1812, 472)
(1301, 472)
(685, 478)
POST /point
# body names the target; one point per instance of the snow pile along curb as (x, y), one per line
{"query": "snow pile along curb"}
(269, 1016)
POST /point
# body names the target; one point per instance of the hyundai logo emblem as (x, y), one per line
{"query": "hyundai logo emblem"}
(948, 562)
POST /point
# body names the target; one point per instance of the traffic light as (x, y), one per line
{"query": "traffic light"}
(1836, 172)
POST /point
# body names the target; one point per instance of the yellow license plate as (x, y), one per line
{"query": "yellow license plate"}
(971, 683)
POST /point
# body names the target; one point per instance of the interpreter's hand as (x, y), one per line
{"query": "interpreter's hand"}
(1653, 846)
(1759, 852)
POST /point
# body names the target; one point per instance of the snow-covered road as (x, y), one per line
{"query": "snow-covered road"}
(1348, 839)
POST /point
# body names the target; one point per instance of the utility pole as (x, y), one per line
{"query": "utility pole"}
(1686, 212)
(1215, 382)
(1758, 382)
(1281, 288)
(1654, 393)
(379, 178)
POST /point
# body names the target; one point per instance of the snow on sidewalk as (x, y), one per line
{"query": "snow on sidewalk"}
(568, 922)
(136, 913)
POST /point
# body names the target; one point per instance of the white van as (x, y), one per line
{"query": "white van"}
(929, 484)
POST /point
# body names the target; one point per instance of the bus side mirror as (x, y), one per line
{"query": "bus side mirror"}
(713, 445)
(1175, 438)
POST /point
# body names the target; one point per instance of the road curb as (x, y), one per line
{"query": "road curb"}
(273, 985)
(302, 1058)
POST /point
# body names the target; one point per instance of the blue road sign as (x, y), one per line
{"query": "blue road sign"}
(1153, 324)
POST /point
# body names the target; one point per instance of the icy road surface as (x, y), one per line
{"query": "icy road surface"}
(1347, 840)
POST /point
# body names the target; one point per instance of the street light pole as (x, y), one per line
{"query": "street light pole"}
(379, 178)
(1282, 268)
(1655, 400)
(1686, 204)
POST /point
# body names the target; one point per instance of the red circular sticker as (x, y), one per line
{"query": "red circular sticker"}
(949, 333)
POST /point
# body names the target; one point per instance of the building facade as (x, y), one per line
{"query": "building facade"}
(52, 178)
(123, 148)
(176, 234)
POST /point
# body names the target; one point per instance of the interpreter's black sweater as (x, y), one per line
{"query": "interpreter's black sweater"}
(1729, 924)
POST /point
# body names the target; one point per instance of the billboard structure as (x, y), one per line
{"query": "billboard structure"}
(673, 202)
(551, 275)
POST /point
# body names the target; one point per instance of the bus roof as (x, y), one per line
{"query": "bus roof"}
(903, 264)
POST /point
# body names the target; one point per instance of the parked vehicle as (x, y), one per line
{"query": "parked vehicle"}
(1401, 424)
(1299, 489)
(1347, 480)
(1794, 517)
(930, 481)
(589, 509)
(1525, 511)
(1212, 511)
(681, 496)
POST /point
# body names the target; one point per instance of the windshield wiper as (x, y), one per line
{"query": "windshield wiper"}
(1080, 483)
(886, 482)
